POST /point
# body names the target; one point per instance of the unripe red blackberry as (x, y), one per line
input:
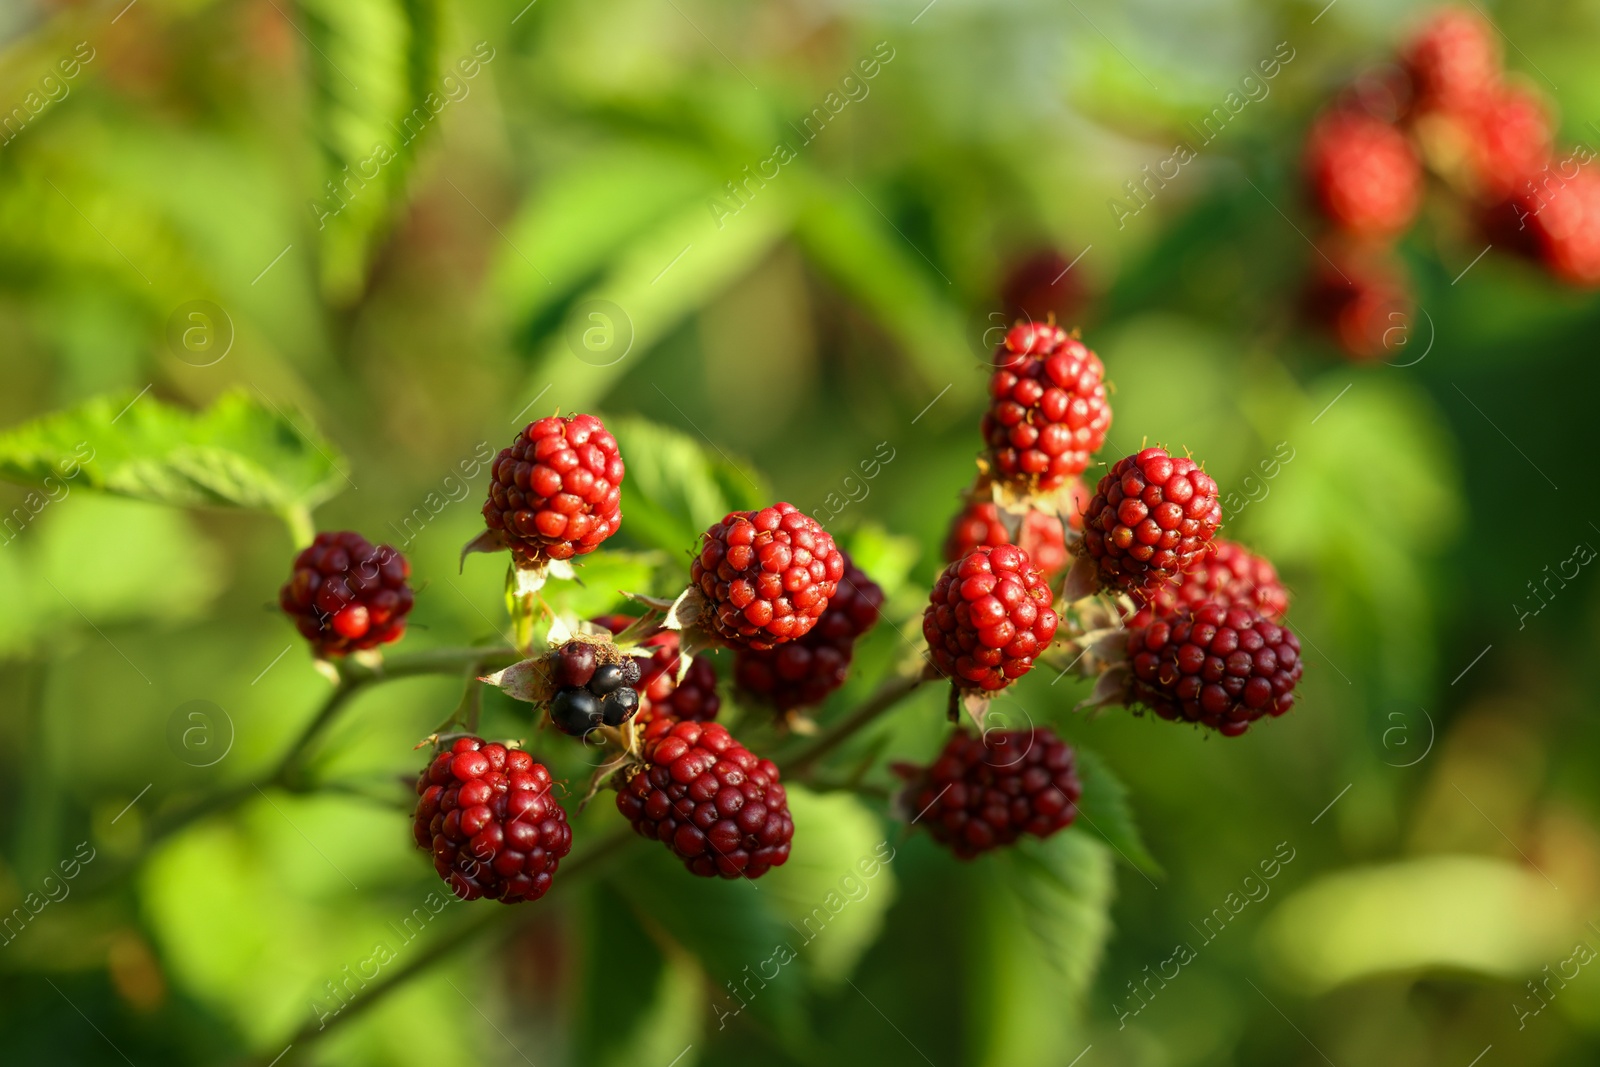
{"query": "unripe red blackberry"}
(557, 491)
(1509, 136)
(1364, 175)
(716, 805)
(766, 575)
(1229, 573)
(1047, 408)
(660, 693)
(801, 673)
(1215, 664)
(1041, 536)
(346, 595)
(989, 615)
(1453, 59)
(1150, 518)
(1360, 297)
(985, 792)
(487, 815)
(1557, 223)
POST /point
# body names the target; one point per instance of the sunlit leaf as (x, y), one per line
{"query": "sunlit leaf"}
(677, 485)
(846, 237)
(1042, 925)
(379, 96)
(243, 451)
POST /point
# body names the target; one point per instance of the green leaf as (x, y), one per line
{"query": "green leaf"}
(663, 1010)
(158, 568)
(731, 927)
(1104, 811)
(667, 273)
(1038, 938)
(237, 453)
(886, 557)
(678, 485)
(845, 237)
(584, 216)
(837, 885)
(379, 95)
(601, 577)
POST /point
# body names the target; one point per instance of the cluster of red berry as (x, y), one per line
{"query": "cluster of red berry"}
(1200, 619)
(1204, 640)
(1447, 107)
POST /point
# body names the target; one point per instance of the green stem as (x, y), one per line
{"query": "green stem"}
(353, 678)
(522, 622)
(888, 695)
(302, 528)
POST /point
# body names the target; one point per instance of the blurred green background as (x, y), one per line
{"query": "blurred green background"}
(385, 233)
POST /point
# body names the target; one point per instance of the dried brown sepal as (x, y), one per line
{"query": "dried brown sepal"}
(689, 617)
(976, 705)
(1110, 689)
(1083, 579)
(606, 773)
(487, 541)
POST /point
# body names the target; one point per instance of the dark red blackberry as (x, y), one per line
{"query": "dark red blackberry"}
(1364, 175)
(660, 693)
(487, 815)
(1228, 573)
(766, 575)
(1047, 408)
(985, 792)
(557, 491)
(1215, 664)
(346, 595)
(1150, 518)
(713, 802)
(989, 615)
(802, 673)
